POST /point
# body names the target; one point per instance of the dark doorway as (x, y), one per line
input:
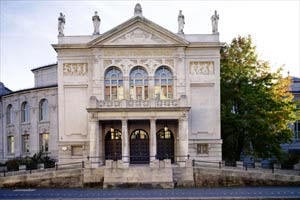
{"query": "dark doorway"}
(113, 145)
(139, 147)
(165, 144)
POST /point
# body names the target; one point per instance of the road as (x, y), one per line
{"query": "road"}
(157, 194)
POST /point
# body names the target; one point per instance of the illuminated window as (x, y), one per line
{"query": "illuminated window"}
(9, 114)
(10, 144)
(138, 83)
(43, 110)
(113, 84)
(163, 83)
(44, 142)
(25, 143)
(24, 112)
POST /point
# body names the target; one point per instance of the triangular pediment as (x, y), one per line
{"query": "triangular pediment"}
(138, 31)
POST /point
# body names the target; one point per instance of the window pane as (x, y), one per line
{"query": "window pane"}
(163, 94)
(146, 92)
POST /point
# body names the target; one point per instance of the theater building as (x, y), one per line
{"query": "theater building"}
(136, 93)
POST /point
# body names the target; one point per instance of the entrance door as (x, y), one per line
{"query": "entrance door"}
(165, 145)
(113, 145)
(139, 147)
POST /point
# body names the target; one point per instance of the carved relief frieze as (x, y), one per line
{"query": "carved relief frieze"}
(201, 68)
(44, 127)
(10, 129)
(138, 52)
(138, 36)
(75, 69)
(127, 64)
(25, 128)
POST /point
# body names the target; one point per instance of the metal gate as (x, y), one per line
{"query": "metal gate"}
(165, 145)
(139, 147)
(113, 145)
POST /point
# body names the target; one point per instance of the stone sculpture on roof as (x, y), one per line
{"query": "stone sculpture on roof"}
(214, 22)
(96, 21)
(61, 24)
(138, 10)
(180, 22)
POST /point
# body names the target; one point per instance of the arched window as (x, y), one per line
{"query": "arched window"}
(113, 84)
(43, 110)
(163, 83)
(9, 114)
(138, 83)
(25, 112)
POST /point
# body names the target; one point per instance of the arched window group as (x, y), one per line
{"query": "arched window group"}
(113, 84)
(138, 83)
(25, 112)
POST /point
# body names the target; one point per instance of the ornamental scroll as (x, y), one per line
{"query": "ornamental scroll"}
(75, 69)
(201, 68)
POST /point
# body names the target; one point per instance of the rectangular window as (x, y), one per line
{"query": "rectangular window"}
(146, 92)
(10, 144)
(202, 148)
(170, 92)
(114, 93)
(120, 93)
(76, 150)
(44, 142)
(163, 94)
(25, 143)
(139, 93)
(107, 93)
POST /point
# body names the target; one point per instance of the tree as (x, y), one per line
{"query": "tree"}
(256, 106)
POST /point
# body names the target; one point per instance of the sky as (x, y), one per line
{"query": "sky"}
(29, 27)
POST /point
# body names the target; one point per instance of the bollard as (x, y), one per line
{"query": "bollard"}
(193, 162)
(220, 165)
(273, 168)
(88, 157)
(82, 164)
(56, 166)
(188, 156)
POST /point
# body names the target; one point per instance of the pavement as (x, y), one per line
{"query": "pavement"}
(157, 194)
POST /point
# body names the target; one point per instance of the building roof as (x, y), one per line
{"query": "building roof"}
(4, 90)
(44, 66)
(29, 89)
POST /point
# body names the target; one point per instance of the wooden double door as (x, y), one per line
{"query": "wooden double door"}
(139, 147)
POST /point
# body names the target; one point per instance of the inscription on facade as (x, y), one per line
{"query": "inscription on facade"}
(201, 68)
(75, 69)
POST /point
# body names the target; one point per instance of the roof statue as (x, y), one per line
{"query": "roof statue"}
(96, 21)
(138, 10)
(61, 24)
(214, 22)
(180, 22)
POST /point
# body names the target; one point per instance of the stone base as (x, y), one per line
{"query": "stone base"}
(138, 176)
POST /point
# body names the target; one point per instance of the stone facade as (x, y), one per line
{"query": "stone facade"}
(126, 94)
(32, 128)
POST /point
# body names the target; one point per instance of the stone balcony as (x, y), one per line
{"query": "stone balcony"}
(151, 103)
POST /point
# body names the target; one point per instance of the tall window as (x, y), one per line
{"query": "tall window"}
(10, 144)
(25, 143)
(113, 84)
(163, 83)
(9, 114)
(44, 142)
(24, 112)
(138, 83)
(43, 113)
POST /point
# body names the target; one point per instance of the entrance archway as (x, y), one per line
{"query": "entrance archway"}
(113, 145)
(165, 145)
(139, 147)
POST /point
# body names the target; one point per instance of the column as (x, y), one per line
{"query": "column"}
(101, 145)
(152, 139)
(183, 145)
(125, 142)
(93, 134)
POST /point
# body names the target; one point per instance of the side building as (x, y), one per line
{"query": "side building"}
(29, 117)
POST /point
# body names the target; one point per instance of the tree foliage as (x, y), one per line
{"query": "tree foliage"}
(256, 106)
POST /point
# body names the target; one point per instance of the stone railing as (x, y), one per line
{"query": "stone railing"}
(152, 103)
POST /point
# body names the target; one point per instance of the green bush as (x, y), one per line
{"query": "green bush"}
(30, 162)
(290, 160)
(12, 165)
